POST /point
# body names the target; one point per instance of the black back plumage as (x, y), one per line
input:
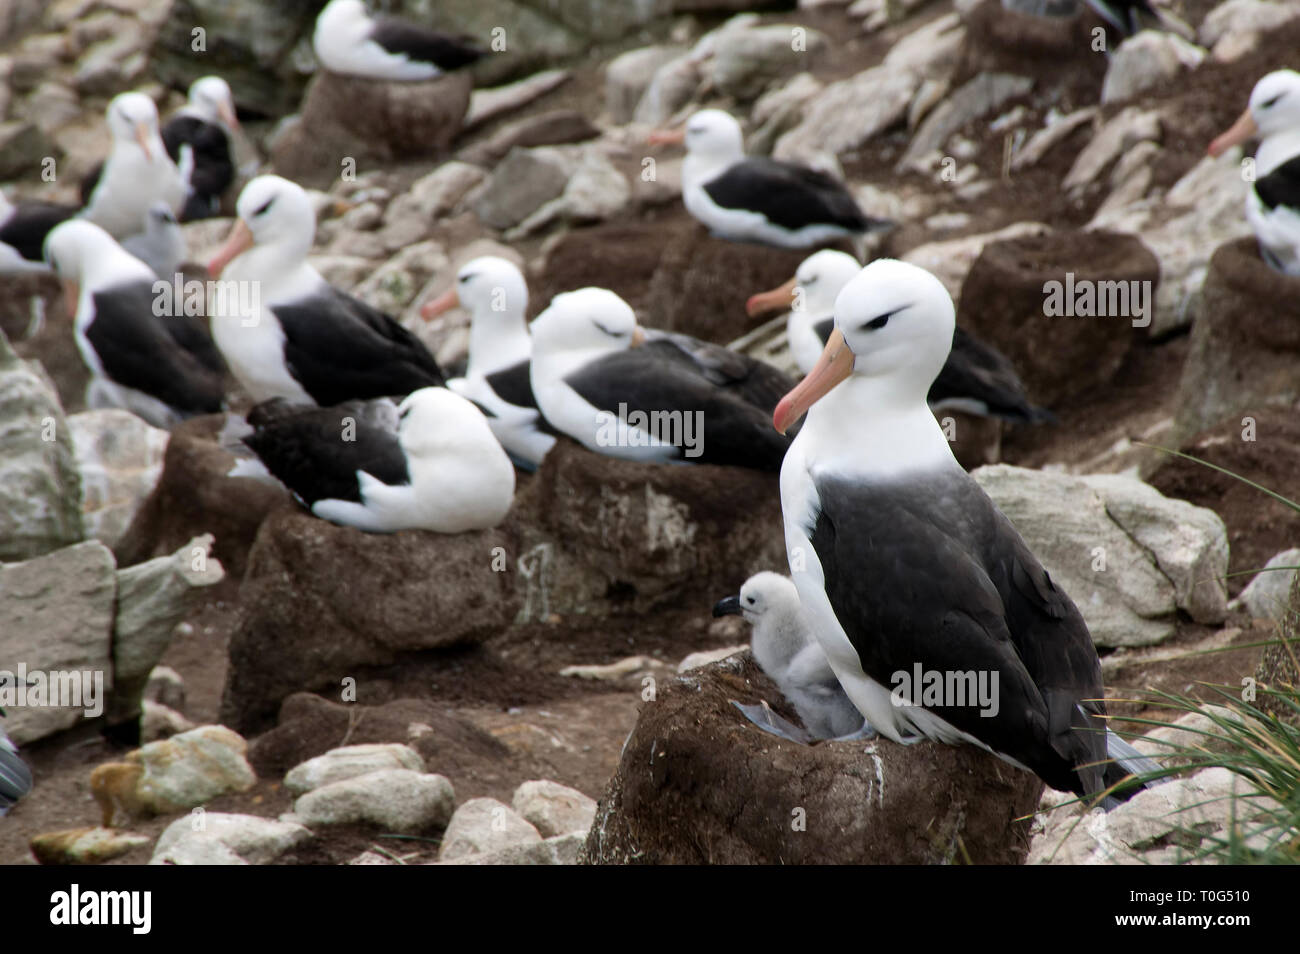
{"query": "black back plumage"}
(428, 46)
(931, 572)
(341, 349)
(29, 222)
(514, 384)
(307, 448)
(734, 396)
(1281, 187)
(788, 195)
(214, 169)
(171, 359)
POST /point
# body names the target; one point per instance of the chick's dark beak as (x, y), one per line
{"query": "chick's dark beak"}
(727, 607)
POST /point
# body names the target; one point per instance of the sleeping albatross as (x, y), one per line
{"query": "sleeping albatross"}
(650, 396)
(976, 379)
(495, 294)
(161, 366)
(137, 172)
(430, 463)
(904, 566)
(350, 41)
(786, 651)
(1273, 204)
(756, 199)
(286, 332)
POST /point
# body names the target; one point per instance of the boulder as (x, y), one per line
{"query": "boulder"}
(950, 260)
(552, 128)
(194, 494)
(1146, 59)
(152, 598)
(1116, 137)
(84, 846)
(207, 838)
(23, 148)
(56, 626)
(747, 60)
(595, 191)
(483, 825)
(40, 489)
(1266, 596)
(349, 762)
(1063, 306)
(1245, 341)
(554, 809)
(1128, 557)
(320, 600)
(1233, 28)
(120, 457)
(628, 75)
(699, 784)
(521, 184)
(979, 97)
(185, 771)
(363, 120)
(560, 850)
(395, 799)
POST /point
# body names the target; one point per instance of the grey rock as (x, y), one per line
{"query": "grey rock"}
(152, 598)
(1145, 60)
(349, 762)
(393, 287)
(399, 800)
(975, 100)
(1232, 29)
(485, 104)
(748, 60)
(224, 838)
(165, 687)
(951, 259)
(484, 825)
(23, 147)
(524, 181)
(1266, 596)
(671, 88)
(56, 617)
(595, 191)
(40, 488)
(120, 458)
(1119, 134)
(554, 809)
(559, 850)
(160, 722)
(551, 128)
(628, 76)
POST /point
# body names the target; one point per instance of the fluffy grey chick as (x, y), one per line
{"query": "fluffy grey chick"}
(786, 651)
(161, 245)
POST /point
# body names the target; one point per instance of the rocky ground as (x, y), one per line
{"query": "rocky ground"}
(993, 143)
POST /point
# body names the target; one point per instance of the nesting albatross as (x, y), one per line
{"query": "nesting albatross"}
(903, 563)
(350, 41)
(650, 396)
(286, 332)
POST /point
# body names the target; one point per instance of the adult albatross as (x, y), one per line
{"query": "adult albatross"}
(902, 561)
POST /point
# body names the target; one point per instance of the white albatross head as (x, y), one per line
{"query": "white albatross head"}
(813, 288)
(488, 287)
(435, 421)
(82, 253)
(589, 320)
(210, 99)
(894, 325)
(1274, 108)
(133, 121)
(764, 595)
(273, 213)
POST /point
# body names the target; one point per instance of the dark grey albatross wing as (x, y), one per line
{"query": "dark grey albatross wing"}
(29, 223)
(514, 385)
(214, 169)
(789, 196)
(756, 381)
(140, 350)
(303, 447)
(659, 376)
(931, 572)
(1281, 186)
(340, 349)
(420, 43)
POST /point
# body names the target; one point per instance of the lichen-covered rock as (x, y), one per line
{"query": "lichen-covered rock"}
(84, 846)
(349, 762)
(207, 838)
(120, 458)
(399, 800)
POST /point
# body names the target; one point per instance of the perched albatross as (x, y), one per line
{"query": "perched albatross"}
(1273, 204)
(903, 564)
(204, 125)
(756, 199)
(141, 358)
(24, 226)
(430, 463)
(495, 294)
(976, 379)
(621, 391)
(137, 173)
(286, 332)
(349, 40)
(786, 651)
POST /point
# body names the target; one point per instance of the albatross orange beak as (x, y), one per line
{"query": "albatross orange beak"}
(835, 364)
(781, 297)
(638, 337)
(444, 302)
(227, 114)
(237, 242)
(142, 137)
(1244, 128)
(667, 137)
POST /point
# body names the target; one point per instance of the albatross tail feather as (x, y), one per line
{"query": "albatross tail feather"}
(1126, 761)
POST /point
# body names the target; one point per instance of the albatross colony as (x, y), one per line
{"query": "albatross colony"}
(904, 565)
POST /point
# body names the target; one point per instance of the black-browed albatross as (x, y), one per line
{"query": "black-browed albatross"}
(350, 41)
(901, 560)
(286, 332)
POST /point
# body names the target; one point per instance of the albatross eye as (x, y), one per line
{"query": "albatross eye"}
(265, 205)
(612, 334)
(1272, 102)
(877, 323)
